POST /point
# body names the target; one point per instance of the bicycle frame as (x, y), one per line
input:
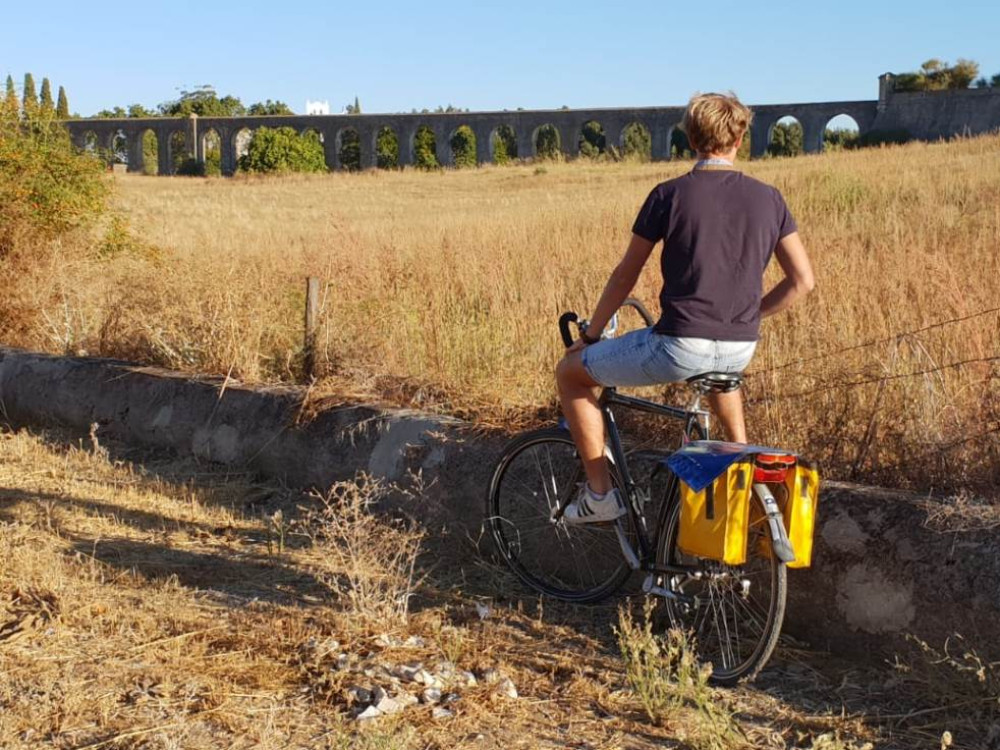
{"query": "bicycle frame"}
(646, 558)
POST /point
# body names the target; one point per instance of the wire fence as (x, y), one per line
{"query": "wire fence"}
(874, 342)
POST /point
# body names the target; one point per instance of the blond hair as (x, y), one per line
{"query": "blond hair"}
(714, 123)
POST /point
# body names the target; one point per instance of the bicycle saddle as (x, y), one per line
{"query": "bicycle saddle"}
(720, 382)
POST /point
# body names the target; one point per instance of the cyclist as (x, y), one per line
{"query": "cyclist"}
(719, 229)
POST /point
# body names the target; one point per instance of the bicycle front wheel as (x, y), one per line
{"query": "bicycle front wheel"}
(539, 473)
(739, 611)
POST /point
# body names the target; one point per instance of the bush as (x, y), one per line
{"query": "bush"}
(425, 149)
(463, 147)
(282, 150)
(47, 187)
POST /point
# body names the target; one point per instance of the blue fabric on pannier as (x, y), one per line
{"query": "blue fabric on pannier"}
(701, 462)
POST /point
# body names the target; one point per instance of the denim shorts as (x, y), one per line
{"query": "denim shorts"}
(645, 357)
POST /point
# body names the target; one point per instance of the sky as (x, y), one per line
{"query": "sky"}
(398, 56)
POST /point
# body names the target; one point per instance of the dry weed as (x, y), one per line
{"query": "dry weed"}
(367, 559)
(667, 677)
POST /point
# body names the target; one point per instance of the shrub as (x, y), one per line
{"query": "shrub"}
(425, 149)
(282, 150)
(463, 146)
(47, 187)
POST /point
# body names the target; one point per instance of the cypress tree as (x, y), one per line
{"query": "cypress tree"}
(29, 98)
(357, 105)
(47, 104)
(11, 106)
(62, 107)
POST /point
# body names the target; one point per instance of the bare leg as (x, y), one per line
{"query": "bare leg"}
(728, 408)
(578, 394)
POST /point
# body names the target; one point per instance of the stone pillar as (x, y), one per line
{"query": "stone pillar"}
(812, 136)
(613, 138)
(366, 142)
(442, 146)
(659, 136)
(227, 148)
(569, 140)
(760, 134)
(164, 166)
(484, 144)
(195, 147)
(886, 88)
(135, 161)
(525, 143)
(404, 137)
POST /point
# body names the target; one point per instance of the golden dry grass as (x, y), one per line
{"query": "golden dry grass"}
(443, 291)
(145, 603)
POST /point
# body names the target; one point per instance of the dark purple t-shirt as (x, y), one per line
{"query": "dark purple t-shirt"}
(719, 229)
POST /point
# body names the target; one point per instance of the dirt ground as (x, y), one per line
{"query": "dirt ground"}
(148, 601)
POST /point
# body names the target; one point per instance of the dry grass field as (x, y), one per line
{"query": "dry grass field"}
(442, 291)
(155, 603)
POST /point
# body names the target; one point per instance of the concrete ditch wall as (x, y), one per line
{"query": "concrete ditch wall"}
(881, 570)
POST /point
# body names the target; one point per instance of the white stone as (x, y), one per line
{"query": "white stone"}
(442, 713)
(431, 696)
(507, 688)
(369, 713)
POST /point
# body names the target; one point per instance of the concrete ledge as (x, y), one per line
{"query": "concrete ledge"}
(880, 569)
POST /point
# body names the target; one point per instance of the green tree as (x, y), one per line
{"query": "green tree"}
(786, 140)
(29, 99)
(837, 139)
(282, 150)
(547, 143)
(270, 108)
(638, 143)
(117, 113)
(504, 145)
(425, 149)
(936, 75)
(463, 147)
(204, 102)
(62, 105)
(139, 111)
(350, 150)
(11, 106)
(995, 80)
(387, 149)
(592, 141)
(47, 104)
(47, 187)
(353, 109)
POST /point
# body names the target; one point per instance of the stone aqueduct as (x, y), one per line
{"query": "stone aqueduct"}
(921, 115)
(114, 134)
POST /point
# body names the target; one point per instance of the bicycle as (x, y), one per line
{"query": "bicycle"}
(735, 613)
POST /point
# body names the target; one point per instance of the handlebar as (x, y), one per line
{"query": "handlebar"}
(568, 318)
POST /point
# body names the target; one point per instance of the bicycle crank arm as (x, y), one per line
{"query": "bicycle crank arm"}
(649, 587)
(630, 556)
(779, 537)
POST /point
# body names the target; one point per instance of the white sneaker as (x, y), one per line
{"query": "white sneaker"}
(590, 507)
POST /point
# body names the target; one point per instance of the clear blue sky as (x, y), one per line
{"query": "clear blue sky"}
(397, 56)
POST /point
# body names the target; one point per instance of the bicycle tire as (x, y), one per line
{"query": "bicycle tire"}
(758, 550)
(581, 564)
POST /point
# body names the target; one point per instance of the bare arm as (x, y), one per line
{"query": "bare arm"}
(798, 281)
(621, 283)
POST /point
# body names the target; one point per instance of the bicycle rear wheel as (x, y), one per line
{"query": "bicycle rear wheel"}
(740, 609)
(538, 473)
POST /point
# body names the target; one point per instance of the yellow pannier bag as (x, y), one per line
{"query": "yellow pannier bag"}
(714, 521)
(799, 510)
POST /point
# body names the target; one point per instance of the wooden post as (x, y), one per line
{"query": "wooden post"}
(312, 315)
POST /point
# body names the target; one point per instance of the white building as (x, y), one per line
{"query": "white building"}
(317, 108)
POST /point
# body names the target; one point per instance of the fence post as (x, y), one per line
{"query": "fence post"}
(312, 315)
